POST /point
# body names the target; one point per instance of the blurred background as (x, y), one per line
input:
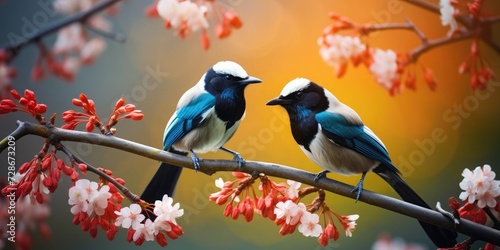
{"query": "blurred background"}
(277, 43)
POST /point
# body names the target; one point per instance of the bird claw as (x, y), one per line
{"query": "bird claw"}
(239, 159)
(196, 162)
(359, 190)
(320, 175)
(359, 187)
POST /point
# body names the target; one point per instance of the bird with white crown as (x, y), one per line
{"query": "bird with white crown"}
(333, 136)
(206, 117)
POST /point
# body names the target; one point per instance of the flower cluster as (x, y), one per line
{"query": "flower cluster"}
(480, 185)
(387, 67)
(291, 215)
(391, 69)
(144, 229)
(93, 205)
(476, 66)
(243, 198)
(384, 68)
(30, 219)
(281, 203)
(27, 103)
(40, 176)
(190, 16)
(481, 192)
(337, 50)
(73, 45)
(92, 120)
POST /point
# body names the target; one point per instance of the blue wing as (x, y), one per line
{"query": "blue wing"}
(187, 118)
(355, 137)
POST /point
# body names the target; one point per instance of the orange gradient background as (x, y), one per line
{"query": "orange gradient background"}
(277, 43)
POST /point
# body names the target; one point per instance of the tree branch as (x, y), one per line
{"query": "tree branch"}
(124, 190)
(415, 53)
(14, 49)
(409, 25)
(113, 36)
(211, 166)
(491, 19)
(482, 28)
(465, 20)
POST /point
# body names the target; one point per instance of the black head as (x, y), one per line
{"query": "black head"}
(302, 99)
(227, 82)
(301, 95)
(226, 78)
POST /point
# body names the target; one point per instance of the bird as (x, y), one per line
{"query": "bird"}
(206, 117)
(334, 137)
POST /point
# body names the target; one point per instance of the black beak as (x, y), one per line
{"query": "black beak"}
(278, 101)
(250, 80)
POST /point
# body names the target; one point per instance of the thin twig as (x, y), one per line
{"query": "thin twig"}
(386, 26)
(467, 22)
(417, 31)
(415, 53)
(491, 19)
(211, 166)
(15, 48)
(125, 191)
(113, 36)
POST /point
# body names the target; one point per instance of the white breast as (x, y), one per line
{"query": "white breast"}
(333, 157)
(206, 137)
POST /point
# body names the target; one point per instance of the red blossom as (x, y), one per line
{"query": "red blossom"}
(232, 19)
(151, 10)
(429, 79)
(245, 200)
(196, 19)
(27, 104)
(91, 119)
(205, 40)
(330, 232)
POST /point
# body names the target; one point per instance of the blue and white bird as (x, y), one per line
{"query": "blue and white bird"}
(333, 136)
(206, 117)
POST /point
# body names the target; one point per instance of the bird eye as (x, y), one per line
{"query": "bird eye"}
(229, 77)
(299, 94)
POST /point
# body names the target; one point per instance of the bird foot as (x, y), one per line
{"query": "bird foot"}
(359, 189)
(320, 175)
(196, 161)
(237, 157)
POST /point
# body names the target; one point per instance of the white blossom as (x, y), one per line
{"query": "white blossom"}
(480, 185)
(186, 14)
(309, 225)
(130, 216)
(447, 11)
(384, 67)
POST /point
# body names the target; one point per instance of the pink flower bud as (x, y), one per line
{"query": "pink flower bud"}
(232, 19)
(119, 103)
(151, 11)
(77, 102)
(40, 108)
(161, 239)
(14, 94)
(222, 30)
(205, 40)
